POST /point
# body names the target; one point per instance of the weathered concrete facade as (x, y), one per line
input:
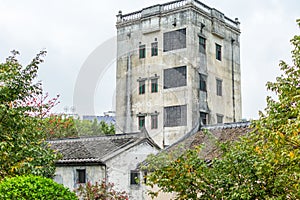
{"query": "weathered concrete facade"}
(178, 65)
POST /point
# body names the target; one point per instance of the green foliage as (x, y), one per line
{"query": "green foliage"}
(23, 149)
(33, 187)
(101, 191)
(62, 126)
(262, 165)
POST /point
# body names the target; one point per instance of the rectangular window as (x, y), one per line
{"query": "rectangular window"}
(141, 122)
(81, 175)
(220, 119)
(203, 118)
(202, 82)
(142, 51)
(219, 87)
(218, 52)
(175, 40)
(175, 116)
(202, 44)
(175, 77)
(134, 177)
(142, 87)
(154, 121)
(154, 49)
(154, 86)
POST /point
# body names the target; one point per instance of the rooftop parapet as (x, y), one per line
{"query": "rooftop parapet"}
(174, 5)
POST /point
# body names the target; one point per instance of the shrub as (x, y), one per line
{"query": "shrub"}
(34, 187)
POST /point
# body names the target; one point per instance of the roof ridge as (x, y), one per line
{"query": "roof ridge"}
(95, 138)
(243, 124)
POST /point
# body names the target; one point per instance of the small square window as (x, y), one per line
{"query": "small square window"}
(134, 177)
(81, 175)
(220, 119)
(154, 86)
(142, 51)
(141, 122)
(219, 87)
(218, 52)
(154, 49)
(142, 87)
(202, 44)
(154, 121)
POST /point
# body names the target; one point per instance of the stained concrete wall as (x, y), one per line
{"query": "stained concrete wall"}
(150, 25)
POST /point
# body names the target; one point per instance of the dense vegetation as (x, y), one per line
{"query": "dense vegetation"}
(23, 149)
(33, 187)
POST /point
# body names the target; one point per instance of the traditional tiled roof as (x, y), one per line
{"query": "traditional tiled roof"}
(96, 149)
(209, 135)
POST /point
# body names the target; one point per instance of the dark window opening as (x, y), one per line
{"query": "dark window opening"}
(220, 119)
(175, 40)
(175, 77)
(141, 122)
(142, 51)
(203, 82)
(175, 116)
(218, 52)
(134, 177)
(203, 118)
(202, 44)
(219, 87)
(154, 121)
(154, 49)
(81, 175)
(142, 87)
(154, 86)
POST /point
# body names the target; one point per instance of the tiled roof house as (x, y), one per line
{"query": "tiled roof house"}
(113, 157)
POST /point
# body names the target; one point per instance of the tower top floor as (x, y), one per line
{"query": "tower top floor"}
(173, 6)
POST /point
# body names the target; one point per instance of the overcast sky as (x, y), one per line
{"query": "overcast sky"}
(71, 30)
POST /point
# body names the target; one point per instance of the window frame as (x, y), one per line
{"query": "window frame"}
(219, 87)
(171, 77)
(202, 82)
(142, 87)
(154, 121)
(220, 119)
(204, 120)
(81, 176)
(154, 49)
(142, 51)
(174, 40)
(218, 52)
(154, 85)
(134, 175)
(202, 44)
(141, 121)
(178, 115)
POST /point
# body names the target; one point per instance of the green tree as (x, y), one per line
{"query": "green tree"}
(23, 149)
(262, 165)
(34, 187)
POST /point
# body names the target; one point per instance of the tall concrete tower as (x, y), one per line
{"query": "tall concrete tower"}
(178, 67)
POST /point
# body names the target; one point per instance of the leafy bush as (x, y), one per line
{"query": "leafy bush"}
(34, 187)
(101, 191)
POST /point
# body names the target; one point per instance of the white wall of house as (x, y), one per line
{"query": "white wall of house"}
(68, 176)
(120, 166)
